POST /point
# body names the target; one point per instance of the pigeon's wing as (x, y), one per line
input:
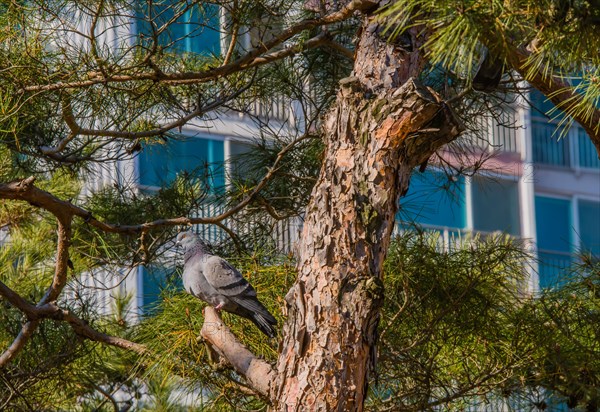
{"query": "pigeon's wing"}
(229, 282)
(194, 281)
(226, 279)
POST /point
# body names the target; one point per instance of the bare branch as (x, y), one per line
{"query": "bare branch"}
(58, 282)
(25, 190)
(62, 258)
(338, 47)
(81, 328)
(15, 299)
(52, 311)
(76, 129)
(251, 59)
(93, 39)
(71, 122)
(106, 394)
(257, 372)
(232, 44)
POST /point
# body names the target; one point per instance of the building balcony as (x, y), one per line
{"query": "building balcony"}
(282, 234)
(572, 151)
(500, 133)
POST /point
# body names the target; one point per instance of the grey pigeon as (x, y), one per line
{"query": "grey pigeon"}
(213, 280)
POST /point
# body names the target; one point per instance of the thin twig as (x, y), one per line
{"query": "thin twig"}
(251, 59)
(26, 190)
(51, 311)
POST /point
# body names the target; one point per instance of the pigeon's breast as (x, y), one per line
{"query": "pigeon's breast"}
(195, 283)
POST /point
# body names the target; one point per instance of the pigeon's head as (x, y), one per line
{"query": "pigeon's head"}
(191, 243)
(187, 239)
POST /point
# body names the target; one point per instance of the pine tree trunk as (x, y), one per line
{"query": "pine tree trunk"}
(372, 147)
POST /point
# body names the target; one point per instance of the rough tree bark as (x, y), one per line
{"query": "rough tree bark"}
(382, 126)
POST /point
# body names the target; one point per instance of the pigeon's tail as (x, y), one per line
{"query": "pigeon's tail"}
(266, 327)
(255, 311)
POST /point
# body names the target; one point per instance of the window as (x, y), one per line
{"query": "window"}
(551, 145)
(588, 156)
(239, 163)
(554, 238)
(159, 164)
(589, 226)
(542, 106)
(548, 145)
(195, 30)
(553, 223)
(433, 200)
(496, 205)
(154, 280)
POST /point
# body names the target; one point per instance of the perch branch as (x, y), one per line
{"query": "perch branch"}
(257, 372)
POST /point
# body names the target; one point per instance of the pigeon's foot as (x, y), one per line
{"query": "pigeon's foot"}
(219, 307)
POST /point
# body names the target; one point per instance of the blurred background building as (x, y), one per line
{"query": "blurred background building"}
(540, 183)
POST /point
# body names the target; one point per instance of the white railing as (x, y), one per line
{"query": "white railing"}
(572, 150)
(276, 107)
(587, 155)
(446, 238)
(504, 132)
(552, 266)
(4, 235)
(283, 233)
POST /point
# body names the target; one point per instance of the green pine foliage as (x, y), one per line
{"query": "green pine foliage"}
(59, 370)
(562, 37)
(450, 328)
(124, 205)
(456, 330)
(172, 332)
(567, 337)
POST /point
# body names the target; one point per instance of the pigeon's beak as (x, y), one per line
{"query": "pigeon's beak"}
(177, 243)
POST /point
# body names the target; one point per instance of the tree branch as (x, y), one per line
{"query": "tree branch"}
(27, 191)
(257, 372)
(338, 47)
(58, 283)
(51, 311)
(64, 211)
(232, 43)
(15, 299)
(82, 328)
(560, 93)
(251, 59)
(76, 129)
(19, 342)
(62, 258)
(106, 394)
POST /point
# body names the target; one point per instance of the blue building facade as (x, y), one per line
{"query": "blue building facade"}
(546, 189)
(543, 185)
